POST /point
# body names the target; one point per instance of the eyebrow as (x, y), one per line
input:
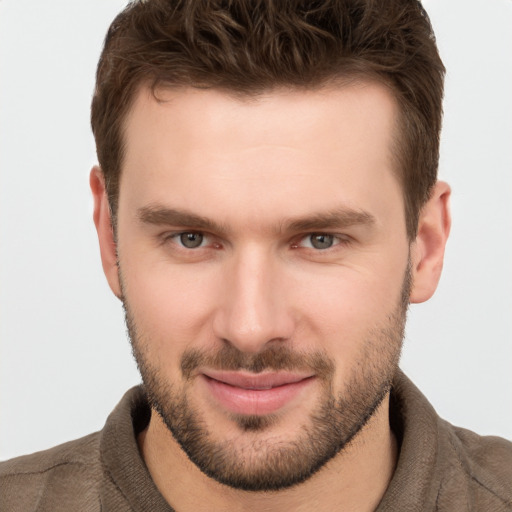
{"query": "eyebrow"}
(339, 218)
(162, 216)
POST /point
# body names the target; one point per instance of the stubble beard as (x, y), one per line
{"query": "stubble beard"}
(267, 464)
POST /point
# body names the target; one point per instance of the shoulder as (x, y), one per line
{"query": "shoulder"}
(443, 467)
(482, 465)
(64, 477)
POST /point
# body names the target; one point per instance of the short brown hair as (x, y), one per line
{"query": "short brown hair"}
(250, 46)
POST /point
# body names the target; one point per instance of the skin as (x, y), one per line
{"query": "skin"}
(252, 167)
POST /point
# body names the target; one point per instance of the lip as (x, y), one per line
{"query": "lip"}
(255, 394)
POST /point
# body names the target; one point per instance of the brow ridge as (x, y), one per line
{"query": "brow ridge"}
(162, 216)
(339, 218)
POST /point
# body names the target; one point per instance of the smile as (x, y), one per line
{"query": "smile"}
(250, 394)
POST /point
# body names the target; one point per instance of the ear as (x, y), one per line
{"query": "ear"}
(427, 251)
(103, 223)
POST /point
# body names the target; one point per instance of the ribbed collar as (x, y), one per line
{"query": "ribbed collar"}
(416, 481)
(128, 485)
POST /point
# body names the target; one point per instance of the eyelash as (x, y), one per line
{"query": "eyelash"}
(175, 237)
(339, 240)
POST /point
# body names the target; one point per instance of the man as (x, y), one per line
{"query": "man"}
(267, 207)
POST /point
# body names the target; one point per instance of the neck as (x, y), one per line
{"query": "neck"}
(354, 480)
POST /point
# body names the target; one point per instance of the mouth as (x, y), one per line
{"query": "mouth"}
(255, 394)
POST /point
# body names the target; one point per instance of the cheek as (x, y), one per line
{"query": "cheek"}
(171, 305)
(341, 309)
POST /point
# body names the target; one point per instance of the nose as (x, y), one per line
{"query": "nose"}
(253, 309)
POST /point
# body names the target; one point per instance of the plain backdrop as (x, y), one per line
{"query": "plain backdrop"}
(64, 356)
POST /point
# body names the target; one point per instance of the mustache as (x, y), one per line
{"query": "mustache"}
(275, 357)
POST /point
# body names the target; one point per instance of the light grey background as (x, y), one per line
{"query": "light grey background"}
(64, 357)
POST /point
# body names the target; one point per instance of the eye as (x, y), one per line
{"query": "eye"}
(191, 240)
(321, 240)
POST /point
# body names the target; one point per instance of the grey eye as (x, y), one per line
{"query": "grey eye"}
(191, 240)
(321, 241)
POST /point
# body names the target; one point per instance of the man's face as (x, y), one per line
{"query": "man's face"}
(263, 261)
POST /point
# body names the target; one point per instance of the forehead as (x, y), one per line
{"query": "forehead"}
(208, 147)
(365, 104)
